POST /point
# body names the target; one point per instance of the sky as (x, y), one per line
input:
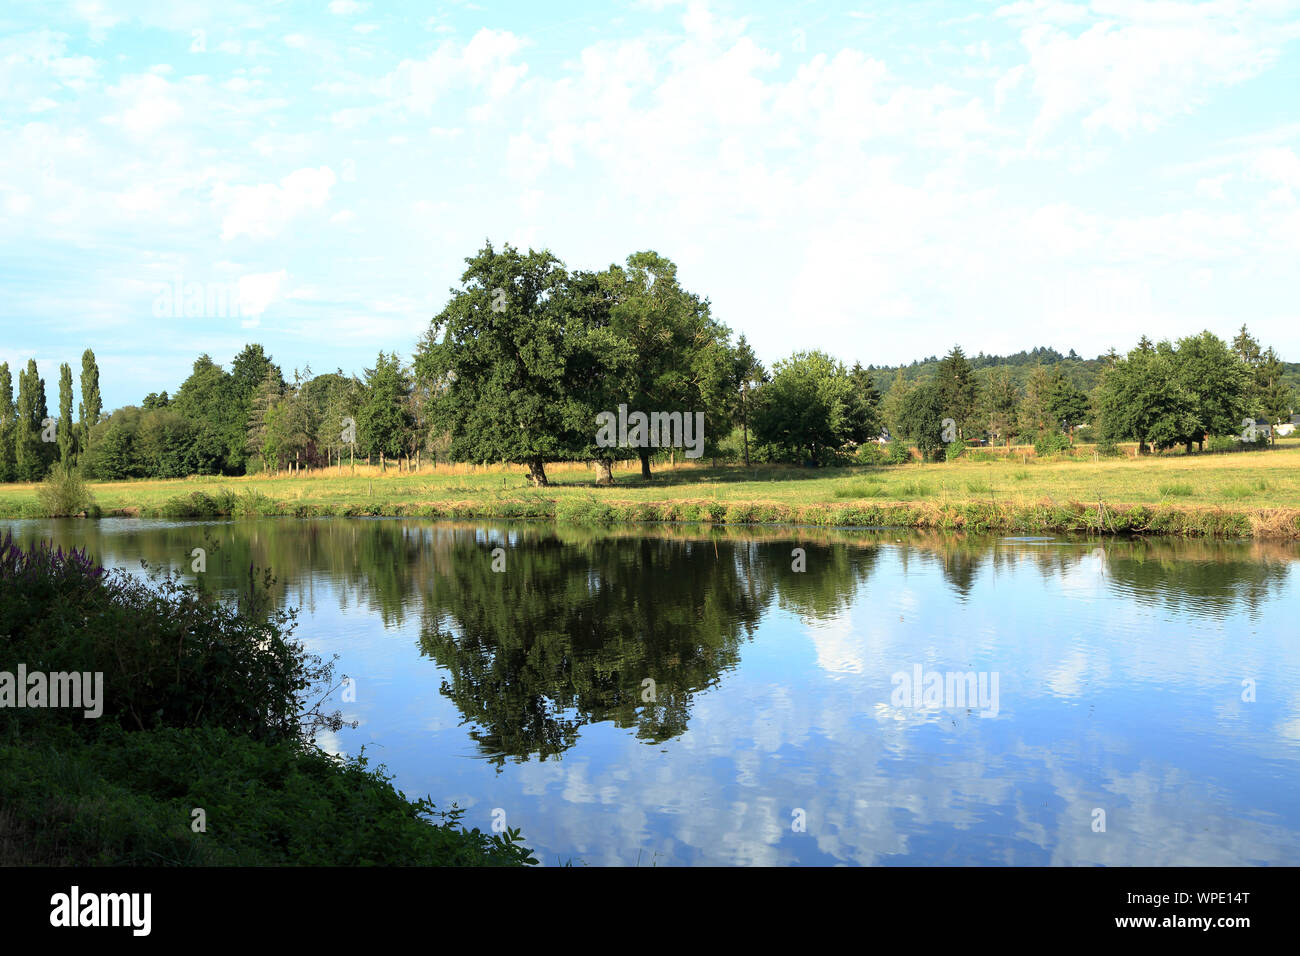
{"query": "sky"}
(879, 180)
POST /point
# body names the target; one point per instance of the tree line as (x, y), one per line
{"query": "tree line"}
(526, 353)
(31, 441)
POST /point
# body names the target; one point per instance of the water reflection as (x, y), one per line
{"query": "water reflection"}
(1121, 662)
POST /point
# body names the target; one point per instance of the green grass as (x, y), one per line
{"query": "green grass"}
(128, 799)
(866, 488)
(1256, 481)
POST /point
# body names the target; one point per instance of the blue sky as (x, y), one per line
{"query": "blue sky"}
(879, 180)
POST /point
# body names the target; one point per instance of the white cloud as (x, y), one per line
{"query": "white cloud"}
(258, 290)
(1135, 65)
(1211, 187)
(486, 62)
(1278, 165)
(148, 102)
(263, 211)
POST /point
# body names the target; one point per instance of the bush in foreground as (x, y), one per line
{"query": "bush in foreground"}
(203, 706)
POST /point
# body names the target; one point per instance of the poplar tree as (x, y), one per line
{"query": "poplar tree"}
(91, 404)
(67, 433)
(32, 458)
(8, 425)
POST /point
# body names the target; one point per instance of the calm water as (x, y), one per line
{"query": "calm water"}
(781, 730)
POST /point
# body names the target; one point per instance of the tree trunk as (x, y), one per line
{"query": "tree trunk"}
(537, 473)
(604, 471)
(645, 462)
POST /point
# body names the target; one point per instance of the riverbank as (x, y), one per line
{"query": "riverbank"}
(1253, 494)
(194, 743)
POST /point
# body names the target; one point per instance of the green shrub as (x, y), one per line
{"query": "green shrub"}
(63, 493)
(252, 503)
(870, 453)
(584, 511)
(898, 453)
(1050, 443)
(199, 504)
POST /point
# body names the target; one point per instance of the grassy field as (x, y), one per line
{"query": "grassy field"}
(1241, 495)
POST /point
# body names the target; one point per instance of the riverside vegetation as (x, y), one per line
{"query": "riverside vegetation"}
(206, 706)
(1254, 494)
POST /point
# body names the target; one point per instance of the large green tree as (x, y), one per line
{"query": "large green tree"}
(207, 398)
(1217, 382)
(1068, 404)
(681, 359)
(495, 359)
(958, 389)
(865, 420)
(1143, 400)
(922, 417)
(999, 399)
(596, 362)
(384, 420)
(1273, 397)
(807, 410)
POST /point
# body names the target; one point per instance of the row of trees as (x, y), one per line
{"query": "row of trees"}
(31, 441)
(523, 357)
(1168, 394)
(250, 419)
(1159, 395)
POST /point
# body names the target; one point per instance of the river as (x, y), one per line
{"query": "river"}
(671, 695)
